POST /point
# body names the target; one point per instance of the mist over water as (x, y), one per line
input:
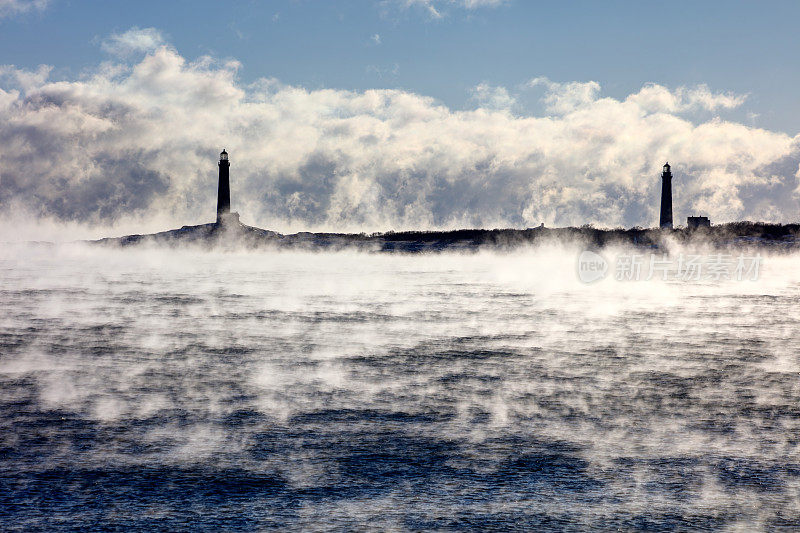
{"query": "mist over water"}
(170, 388)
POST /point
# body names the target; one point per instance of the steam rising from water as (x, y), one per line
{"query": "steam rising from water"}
(405, 392)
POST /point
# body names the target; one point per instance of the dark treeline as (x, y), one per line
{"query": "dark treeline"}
(730, 233)
(734, 234)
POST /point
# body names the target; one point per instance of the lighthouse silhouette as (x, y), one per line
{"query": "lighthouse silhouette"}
(665, 221)
(224, 215)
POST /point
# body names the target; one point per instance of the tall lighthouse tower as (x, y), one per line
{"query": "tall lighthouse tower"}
(665, 222)
(224, 191)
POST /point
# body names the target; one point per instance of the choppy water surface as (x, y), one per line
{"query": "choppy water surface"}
(145, 389)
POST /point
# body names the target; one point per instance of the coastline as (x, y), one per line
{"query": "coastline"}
(735, 235)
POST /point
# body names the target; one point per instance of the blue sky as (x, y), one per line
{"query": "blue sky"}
(748, 48)
(396, 114)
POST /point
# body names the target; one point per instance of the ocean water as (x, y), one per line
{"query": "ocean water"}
(173, 389)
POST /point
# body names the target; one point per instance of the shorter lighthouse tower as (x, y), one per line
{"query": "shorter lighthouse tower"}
(224, 191)
(665, 221)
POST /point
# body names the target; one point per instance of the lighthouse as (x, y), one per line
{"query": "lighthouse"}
(224, 191)
(665, 222)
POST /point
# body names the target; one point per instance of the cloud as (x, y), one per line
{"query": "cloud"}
(24, 79)
(376, 38)
(491, 97)
(657, 98)
(436, 9)
(566, 97)
(475, 4)
(133, 41)
(14, 7)
(135, 145)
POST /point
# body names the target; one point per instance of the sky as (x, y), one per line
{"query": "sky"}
(397, 114)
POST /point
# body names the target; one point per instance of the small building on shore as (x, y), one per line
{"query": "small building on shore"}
(697, 222)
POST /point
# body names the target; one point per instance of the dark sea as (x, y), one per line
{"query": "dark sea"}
(179, 389)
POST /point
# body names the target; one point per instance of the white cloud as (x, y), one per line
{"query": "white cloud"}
(14, 7)
(133, 41)
(376, 38)
(491, 97)
(137, 144)
(436, 9)
(24, 79)
(475, 4)
(658, 98)
(566, 97)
